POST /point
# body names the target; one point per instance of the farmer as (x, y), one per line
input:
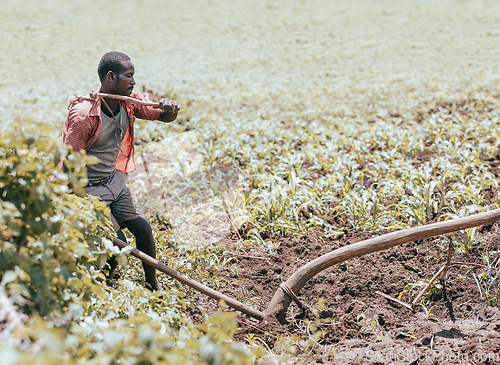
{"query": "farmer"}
(104, 128)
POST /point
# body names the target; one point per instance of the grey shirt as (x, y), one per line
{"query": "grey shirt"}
(105, 147)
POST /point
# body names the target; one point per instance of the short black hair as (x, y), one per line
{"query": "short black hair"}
(111, 61)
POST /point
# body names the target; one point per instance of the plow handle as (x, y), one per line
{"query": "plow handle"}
(191, 283)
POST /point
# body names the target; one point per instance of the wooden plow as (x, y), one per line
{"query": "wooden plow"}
(289, 290)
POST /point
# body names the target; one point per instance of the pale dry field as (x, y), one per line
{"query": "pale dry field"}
(285, 59)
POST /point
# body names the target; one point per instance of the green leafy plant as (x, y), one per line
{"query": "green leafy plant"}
(52, 294)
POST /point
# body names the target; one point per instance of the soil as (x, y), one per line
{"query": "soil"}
(365, 327)
(351, 322)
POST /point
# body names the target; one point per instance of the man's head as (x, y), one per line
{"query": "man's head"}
(116, 72)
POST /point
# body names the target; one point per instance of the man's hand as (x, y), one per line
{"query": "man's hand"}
(169, 110)
(168, 105)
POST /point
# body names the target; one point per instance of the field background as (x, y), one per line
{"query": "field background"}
(326, 109)
(289, 58)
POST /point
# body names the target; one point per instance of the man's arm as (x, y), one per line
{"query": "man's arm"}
(76, 133)
(78, 129)
(166, 113)
(169, 110)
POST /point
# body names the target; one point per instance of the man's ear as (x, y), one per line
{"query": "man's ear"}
(110, 76)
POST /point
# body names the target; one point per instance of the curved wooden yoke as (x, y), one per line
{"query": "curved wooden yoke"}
(281, 301)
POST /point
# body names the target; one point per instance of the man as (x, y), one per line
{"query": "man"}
(104, 128)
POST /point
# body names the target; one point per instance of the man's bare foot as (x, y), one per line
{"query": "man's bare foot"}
(153, 287)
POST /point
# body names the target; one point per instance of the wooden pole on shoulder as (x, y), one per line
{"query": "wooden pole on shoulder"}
(94, 95)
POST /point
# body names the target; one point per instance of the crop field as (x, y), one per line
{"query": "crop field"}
(305, 127)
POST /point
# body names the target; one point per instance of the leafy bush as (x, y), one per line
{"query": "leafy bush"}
(53, 304)
(50, 239)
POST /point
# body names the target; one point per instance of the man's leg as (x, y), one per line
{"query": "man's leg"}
(111, 264)
(145, 242)
(128, 213)
(106, 195)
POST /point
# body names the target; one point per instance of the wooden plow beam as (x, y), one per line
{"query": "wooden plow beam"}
(282, 298)
(280, 302)
(191, 283)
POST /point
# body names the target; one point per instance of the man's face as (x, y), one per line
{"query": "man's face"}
(124, 82)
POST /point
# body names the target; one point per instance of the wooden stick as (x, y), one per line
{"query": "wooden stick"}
(458, 263)
(280, 301)
(444, 269)
(414, 303)
(394, 300)
(192, 283)
(127, 98)
(94, 96)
